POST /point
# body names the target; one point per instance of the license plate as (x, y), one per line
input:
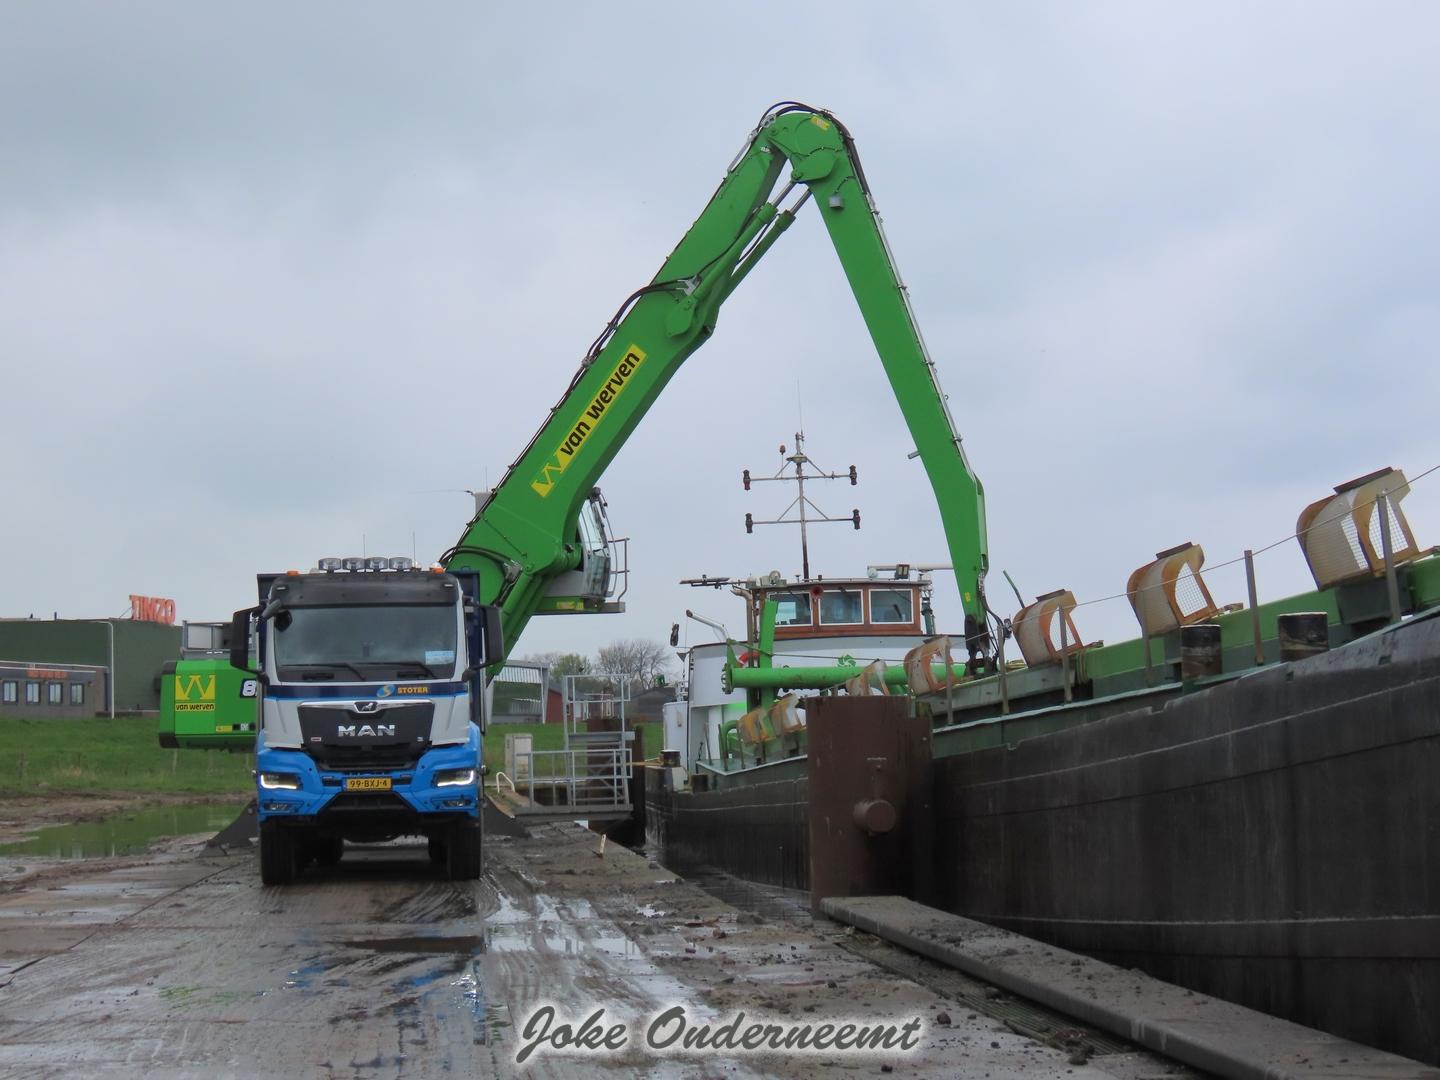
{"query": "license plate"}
(367, 783)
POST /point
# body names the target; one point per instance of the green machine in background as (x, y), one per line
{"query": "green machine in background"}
(205, 704)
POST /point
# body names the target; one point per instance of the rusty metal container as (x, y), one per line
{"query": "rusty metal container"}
(1303, 633)
(1200, 650)
(870, 791)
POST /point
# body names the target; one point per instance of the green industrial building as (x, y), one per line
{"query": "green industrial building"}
(141, 649)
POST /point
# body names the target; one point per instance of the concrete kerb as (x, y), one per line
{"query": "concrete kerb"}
(1217, 1036)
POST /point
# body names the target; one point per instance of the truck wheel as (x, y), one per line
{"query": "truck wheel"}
(328, 850)
(279, 855)
(435, 845)
(462, 851)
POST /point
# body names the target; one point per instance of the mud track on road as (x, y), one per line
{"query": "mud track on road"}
(181, 964)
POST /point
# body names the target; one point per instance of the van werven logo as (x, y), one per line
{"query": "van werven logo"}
(619, 377)
(194, 693)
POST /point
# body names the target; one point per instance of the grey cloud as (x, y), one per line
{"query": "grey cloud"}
(277, 282)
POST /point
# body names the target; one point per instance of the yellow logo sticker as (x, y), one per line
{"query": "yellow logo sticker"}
(589, 419)
(194, 693)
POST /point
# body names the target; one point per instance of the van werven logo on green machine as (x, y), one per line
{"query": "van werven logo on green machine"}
(593, 414)
(203, 689)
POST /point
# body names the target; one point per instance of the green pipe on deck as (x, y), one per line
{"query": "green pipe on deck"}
(769, 612)
(735, 677)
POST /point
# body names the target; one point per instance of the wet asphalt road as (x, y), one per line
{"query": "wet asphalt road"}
(182, 964)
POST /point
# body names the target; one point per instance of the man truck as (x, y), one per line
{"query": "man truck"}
(370, 676)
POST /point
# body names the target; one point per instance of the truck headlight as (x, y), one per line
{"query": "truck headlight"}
(273, 781)
(454, 777)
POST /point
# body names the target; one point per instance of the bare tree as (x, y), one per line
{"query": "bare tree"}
(647, 663)
(560, 664)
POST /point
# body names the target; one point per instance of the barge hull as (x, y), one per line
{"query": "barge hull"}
(1272, 840)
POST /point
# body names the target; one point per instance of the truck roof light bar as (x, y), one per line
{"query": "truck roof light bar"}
(377, 562)
(329, 565)
(400, 562)
(353, 562)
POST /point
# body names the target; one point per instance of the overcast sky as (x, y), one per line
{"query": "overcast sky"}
(280, 281)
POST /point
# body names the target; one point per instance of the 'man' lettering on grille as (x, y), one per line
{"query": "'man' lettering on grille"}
(361, 731)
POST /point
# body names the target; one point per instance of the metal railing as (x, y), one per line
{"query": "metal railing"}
(592, 778)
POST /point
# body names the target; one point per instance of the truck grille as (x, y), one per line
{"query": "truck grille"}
(344, 740)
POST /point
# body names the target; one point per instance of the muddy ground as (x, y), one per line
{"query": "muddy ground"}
(180, 963)
(22, 818)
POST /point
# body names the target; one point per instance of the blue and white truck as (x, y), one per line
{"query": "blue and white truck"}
(371, 675)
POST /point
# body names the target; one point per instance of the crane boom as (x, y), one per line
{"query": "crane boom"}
(527, 533)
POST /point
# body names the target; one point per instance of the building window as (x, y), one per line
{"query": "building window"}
(55, 693)
(77, 693)
(892, 605)
(32, 693)
(791, 609)
(840, 607)
(9, 691)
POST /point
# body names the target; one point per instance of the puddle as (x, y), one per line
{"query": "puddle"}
(125, 834)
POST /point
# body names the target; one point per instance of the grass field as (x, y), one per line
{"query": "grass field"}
(122, 755)
(101, 755)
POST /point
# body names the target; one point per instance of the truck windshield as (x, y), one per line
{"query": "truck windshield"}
(370, 644)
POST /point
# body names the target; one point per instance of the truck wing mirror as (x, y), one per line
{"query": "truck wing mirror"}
(494, 636)
(240, 638)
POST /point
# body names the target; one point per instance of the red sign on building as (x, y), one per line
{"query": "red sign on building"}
(152, 609)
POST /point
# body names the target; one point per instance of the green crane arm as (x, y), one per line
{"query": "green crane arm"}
(526, 534)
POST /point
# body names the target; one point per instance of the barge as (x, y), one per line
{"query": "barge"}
(1241, 800)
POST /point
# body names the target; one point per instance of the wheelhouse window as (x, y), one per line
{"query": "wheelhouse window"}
(892, 606)
(792, 609)
(358, 643)
(32, 693)
(9, 692)
(840, 607)
(77, 693)
(55, 693)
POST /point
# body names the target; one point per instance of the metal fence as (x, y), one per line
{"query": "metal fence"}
(592, 778)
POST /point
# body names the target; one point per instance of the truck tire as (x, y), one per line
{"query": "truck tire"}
(435, 848)
(279, 855)
(462, 851)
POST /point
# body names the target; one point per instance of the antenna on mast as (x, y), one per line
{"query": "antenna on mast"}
(806, 512)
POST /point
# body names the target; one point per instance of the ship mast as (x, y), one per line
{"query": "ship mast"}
(801, 504)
